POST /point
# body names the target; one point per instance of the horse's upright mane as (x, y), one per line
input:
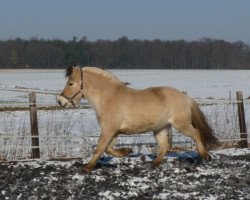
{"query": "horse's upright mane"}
(68, 71)
(104, 73)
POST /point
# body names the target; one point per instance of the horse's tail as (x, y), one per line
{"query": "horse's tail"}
(199, 121)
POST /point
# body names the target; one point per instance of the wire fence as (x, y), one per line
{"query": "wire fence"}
(75, 132)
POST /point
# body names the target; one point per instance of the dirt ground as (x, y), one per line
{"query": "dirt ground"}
(182, 177)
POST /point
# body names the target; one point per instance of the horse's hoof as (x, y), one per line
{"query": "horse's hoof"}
(205, 156)
(87, 169)
(126, 151)
(155, 164)
(209, 158)
(129, 151)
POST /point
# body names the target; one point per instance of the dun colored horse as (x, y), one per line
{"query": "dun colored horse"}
(123, 110)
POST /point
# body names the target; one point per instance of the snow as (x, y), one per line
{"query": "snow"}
(197, 83)
(120, 178)
(233, 151)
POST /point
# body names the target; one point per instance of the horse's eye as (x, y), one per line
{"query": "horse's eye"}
(70, 84)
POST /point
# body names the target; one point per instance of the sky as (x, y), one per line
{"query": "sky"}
(137, 19)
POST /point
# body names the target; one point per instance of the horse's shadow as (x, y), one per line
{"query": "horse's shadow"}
(189, 157)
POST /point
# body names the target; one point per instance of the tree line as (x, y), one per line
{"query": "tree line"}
(123, 53)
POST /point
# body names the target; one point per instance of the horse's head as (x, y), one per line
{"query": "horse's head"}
(73, 90)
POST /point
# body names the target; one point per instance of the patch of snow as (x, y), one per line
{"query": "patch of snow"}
(232, 151)
(19, 196)
(139, 182)
(78, 177)
(99, 178)
(181, 195)
(106, 195)
(161, 196)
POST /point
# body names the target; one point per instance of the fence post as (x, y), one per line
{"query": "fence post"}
(34, 125)
(242, 123)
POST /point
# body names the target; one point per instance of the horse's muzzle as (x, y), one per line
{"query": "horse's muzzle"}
(59, 103)
(62, 102)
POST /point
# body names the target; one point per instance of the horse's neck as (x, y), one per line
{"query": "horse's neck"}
(100, 92)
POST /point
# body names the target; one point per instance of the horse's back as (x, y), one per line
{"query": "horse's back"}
(155, 96)
(150, 109)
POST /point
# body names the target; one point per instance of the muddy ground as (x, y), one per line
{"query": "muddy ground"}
(181, 177)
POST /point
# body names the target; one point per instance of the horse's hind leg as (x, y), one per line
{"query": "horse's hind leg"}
(189, 130)
(117, 152)
(161, 137)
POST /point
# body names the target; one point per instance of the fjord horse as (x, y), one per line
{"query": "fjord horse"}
(123, 110)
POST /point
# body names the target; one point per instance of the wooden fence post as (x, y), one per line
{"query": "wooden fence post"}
(242, 123)
(34, 125)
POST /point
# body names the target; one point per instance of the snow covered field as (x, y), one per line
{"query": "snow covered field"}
(80, 123)
(182, 175)
(197, 83)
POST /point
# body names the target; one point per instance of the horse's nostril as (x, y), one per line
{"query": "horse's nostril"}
(59, 102)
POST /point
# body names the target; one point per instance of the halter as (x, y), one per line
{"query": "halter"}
(70, 99)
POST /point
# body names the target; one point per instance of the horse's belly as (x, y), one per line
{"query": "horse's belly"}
(138, 125)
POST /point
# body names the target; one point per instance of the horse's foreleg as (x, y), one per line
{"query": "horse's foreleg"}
(104, 140)
(117, 152)
(161, 138)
